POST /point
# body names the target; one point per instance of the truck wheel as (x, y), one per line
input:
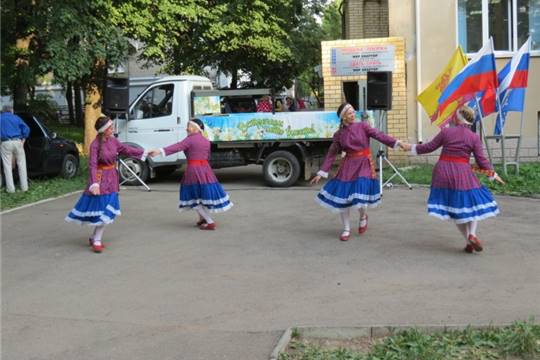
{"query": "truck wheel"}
(281, 169)
(70, 165)
(137, 166)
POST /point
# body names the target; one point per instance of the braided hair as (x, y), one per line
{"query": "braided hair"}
(466, 114)
(101, 121)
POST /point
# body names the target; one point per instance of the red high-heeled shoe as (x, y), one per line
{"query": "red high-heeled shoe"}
(91, 243)
(97, 248)
(475, 242)
(468, 249)
(363, 229)
(345, 236)
(207, 226)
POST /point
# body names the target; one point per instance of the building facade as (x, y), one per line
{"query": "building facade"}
(431, 31)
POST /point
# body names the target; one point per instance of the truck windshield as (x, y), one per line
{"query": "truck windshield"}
(156, 102)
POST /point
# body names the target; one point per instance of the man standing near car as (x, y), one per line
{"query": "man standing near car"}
(13, 133)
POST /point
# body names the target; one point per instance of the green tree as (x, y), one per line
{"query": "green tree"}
(332, 20)
(249, 36)
(20, 48)
(71, 39)
(310, 81)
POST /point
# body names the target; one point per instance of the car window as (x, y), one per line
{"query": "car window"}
(156, 102)
(35, 130)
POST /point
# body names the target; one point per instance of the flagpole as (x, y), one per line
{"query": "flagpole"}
(518, 148)
(501, 120)
(482, 130)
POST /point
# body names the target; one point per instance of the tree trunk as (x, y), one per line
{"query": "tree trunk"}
(69, 98)
(20, 90)
(79, 120)
(234, 80)
(92, 110)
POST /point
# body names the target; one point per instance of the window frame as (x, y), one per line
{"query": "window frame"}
(152, 90)
(485, 30)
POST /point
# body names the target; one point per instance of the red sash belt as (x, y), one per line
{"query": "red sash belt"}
(360, 153)
(106, 167)
(100, 169)
(455, 159)
(197, 162)
(363, 153)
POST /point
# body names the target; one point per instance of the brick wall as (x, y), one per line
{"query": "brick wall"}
(366, 19)
(333, 86)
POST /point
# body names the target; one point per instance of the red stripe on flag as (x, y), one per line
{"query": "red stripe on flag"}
(471, 85)
(520, 79)
(488, 102)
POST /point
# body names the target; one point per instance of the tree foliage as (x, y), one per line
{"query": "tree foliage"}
(232, 36)
(310, 79)
(93, 37)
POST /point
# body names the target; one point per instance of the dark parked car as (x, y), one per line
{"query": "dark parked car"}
(48, 154)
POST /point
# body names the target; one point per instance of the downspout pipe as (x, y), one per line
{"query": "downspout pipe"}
(419, 130)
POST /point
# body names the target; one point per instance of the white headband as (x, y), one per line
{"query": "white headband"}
(462, 118)
(105, 127)
(345, 109)
(195, 124)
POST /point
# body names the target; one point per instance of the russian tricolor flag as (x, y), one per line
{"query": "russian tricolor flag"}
(479, 75)
(513, 81)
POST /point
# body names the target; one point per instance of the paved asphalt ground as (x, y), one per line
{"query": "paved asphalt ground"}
(165, 290)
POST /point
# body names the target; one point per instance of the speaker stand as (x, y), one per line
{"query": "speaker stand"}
(381, 156)
(120, 161)
(126, 166)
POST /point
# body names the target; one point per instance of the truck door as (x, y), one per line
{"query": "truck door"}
(154, 119)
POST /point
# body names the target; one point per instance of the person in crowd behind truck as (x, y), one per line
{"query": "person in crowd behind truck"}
(289, 104)
(456, 194)
(355, 184)
(99, 204)
(264, 104)
(199, 188)
(301, 104)
(278, 105)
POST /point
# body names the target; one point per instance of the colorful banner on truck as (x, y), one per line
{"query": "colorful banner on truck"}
(268, 126)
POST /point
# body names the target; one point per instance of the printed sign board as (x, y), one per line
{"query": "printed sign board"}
(359, 60)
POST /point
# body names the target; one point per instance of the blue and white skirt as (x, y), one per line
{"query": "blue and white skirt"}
(338, 195)
(212, 196)
(462, 206)
(95, 210)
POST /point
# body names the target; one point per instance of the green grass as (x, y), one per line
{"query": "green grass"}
(518, 341)
(67, 131)
(48, 187)
(44, 188)
(527, 183)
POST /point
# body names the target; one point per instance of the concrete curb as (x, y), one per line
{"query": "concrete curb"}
(340, 333)
(40, 202)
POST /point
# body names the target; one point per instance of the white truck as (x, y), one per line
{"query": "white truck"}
(286, 144)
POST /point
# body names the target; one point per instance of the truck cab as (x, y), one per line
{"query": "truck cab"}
(158, 117)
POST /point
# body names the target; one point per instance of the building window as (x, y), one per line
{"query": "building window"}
(509, 22)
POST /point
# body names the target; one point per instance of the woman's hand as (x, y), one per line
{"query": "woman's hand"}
(498, 179)
(315, 180)
(154, 152)
(405, 146)
(94, 189)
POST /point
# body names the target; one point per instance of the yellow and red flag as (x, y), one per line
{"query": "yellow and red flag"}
(430, 96)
